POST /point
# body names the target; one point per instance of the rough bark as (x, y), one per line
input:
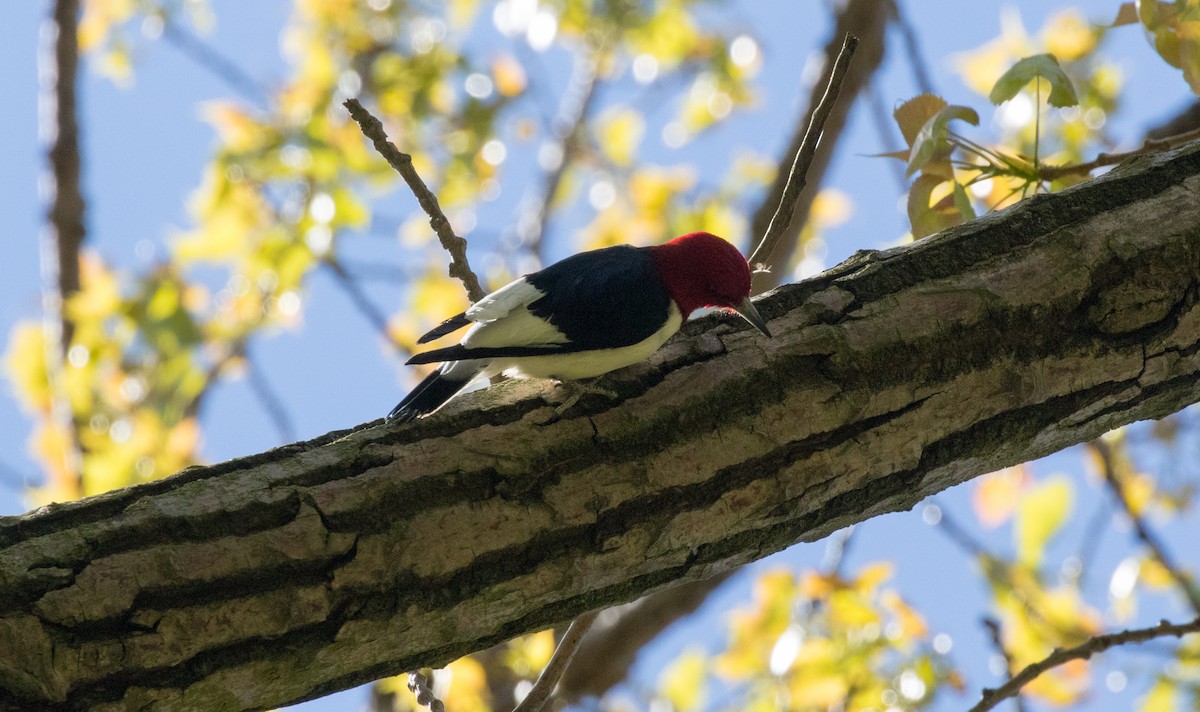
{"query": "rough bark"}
(324, 564)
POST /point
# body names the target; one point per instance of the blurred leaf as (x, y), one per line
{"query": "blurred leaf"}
(1126, 15)
(1163, 697)
(682, 683)
(1045, 66)
(994, 497)
(25, 366)
(619, 133)
(1040, 515)
(1068, 36)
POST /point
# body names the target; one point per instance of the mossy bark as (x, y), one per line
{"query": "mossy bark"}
(311, 568)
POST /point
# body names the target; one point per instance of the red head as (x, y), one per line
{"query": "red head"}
(702, 270)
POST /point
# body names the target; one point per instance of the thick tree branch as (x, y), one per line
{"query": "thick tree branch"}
(363, 553)
(64, 233)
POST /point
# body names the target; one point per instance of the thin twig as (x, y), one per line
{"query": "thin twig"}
(270, 401)
(1060, 656)
(402, 162)
(1109, 465)
(547, 681)
(993, 628)
(65, 232)
(217, 64)
(912, 48)
(804, 157)
(1150, 146)
(608, 651)
(368, 309)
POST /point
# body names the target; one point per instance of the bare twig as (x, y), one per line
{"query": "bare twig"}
(364, 304)
(453, 244)
(912, 47)
(796, 177)
(546, 682)
(270, 402)
(1151, 145)
(804, 157)
(216, 63)
(609, 649)
(64, 232)
(993, 628)
(1098, 644)
(1110, 466)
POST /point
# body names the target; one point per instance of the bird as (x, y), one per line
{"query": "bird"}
(584, 316)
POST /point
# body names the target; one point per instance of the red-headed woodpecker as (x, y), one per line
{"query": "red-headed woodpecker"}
(584, 316)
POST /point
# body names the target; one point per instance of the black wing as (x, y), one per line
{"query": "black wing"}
(603, 299)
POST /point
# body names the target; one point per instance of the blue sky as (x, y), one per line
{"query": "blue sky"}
(144, 149)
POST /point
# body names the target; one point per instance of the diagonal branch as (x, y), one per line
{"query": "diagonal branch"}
(1061, 656)
(795, 181)
(867, 20)
(1112, 476)
(456, 246)
(320, 565)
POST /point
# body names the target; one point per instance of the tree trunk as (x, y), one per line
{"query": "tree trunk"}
(314, 567)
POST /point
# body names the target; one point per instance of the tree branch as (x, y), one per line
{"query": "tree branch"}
(867, 20)
(456, 246)
(795, 178)
(1109, 468)
(321, 565)
(546, 682)
(65, 231)
(1098, 644)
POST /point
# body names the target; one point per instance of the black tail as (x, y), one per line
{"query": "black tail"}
(428, 396)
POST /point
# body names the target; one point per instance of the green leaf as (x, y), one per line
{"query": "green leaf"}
(1039, 517)
(962, 201)
(933, 135)
(1062, 91)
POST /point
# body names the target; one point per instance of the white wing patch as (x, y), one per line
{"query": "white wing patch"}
(517, 293)
(503, 319)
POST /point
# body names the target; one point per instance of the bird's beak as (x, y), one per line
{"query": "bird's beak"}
(750, 314)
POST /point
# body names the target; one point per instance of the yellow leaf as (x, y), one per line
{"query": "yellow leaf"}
(1068, 35)
(682, 682)
(25, 364)
(995, 496)
(1039, 516)
(872, 575)
(1163, 697)
(1155, 575)
(830, 208)
(818, 691)
(914, 113)
(468, 687)
(620, 132)
(848, 610)
(528, 654)
(509, 75)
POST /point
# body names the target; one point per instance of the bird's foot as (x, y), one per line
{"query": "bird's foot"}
(576, 391)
